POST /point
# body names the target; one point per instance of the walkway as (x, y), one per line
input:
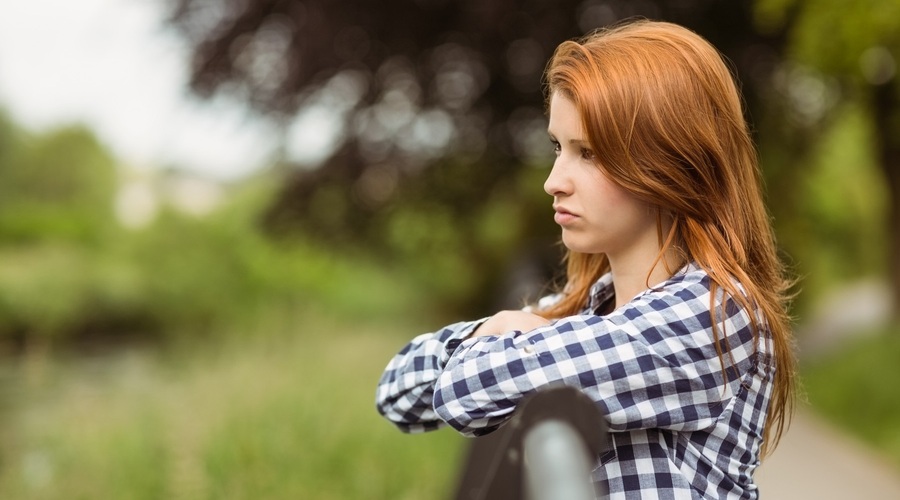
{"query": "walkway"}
(815, 460)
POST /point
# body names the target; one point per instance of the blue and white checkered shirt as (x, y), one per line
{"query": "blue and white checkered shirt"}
(677, 428)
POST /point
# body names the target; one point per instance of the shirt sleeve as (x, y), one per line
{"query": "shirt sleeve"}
(651, 365)
(406, 389)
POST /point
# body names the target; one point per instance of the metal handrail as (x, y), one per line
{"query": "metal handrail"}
(544, 452)
(557, 463)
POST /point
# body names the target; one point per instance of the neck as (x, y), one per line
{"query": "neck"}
(636, 272)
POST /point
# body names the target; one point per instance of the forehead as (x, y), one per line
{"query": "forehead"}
(564, 116)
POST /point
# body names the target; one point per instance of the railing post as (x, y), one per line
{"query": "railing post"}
(553, 439)
(557, 463)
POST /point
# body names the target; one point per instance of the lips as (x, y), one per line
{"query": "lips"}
(563, 217)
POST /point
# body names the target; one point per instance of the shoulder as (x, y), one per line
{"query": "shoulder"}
(681, 306)
(687, 310)
(686, 293)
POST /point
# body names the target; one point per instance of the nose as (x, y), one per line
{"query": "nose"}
(558, 183)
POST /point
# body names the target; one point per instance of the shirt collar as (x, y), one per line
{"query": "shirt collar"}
(602, 290)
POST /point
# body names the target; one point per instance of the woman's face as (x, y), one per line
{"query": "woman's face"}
(596, 215)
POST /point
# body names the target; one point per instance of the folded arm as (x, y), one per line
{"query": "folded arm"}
(644, 370)
(406, 389)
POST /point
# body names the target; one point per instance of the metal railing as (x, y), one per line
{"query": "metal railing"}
(545, 452)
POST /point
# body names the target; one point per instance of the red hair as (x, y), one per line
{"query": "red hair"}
(663, 112)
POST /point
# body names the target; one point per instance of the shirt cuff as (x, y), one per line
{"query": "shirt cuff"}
(453, 343)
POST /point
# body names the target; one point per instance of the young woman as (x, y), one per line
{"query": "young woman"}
(673, 315)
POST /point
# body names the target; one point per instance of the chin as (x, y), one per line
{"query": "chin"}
(579, 245)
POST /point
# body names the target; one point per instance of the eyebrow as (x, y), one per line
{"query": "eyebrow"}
(571, 141)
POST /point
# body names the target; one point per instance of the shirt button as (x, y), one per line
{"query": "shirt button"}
(528, 349)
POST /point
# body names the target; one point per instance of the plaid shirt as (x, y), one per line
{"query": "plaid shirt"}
(677, 428)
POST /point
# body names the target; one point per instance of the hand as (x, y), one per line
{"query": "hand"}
(507, 321)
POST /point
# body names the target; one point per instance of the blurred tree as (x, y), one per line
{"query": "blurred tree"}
(54, 185)
(56, 192)
(848, 51)
(441, 106)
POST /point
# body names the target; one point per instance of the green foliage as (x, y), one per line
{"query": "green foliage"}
(428, 240)
(57, 185)
(460, 255)
(826, 145)
(856, 388)
(834, 229)
(68, 269)
(834, 35)
(846, 199)
(287, 413)
(43, 288)
(204, 274)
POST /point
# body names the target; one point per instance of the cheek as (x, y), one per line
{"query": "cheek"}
(628, 209)
(609, 194)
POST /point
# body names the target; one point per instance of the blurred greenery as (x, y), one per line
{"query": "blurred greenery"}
(70, 271)
(839, 83)
(833, 230)
(195, 356)
(55, 186)
(288, 413)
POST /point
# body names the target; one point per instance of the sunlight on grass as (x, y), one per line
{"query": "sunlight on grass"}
(274, 416)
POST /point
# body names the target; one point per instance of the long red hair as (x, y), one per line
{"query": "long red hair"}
(664, 114)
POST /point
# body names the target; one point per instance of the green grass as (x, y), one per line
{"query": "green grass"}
(271, 416)
(858, 388)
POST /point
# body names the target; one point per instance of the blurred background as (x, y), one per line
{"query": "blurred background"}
(219, 219)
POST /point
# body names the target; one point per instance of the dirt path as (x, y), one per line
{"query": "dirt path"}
(817, 461)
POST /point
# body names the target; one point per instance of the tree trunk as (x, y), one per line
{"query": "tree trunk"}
(887, 129)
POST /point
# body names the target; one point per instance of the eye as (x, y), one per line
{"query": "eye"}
(587, 154)
(557, 149)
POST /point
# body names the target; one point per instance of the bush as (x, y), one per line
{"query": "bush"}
(184, 274)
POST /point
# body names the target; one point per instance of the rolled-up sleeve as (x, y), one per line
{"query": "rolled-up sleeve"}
(405, 392)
